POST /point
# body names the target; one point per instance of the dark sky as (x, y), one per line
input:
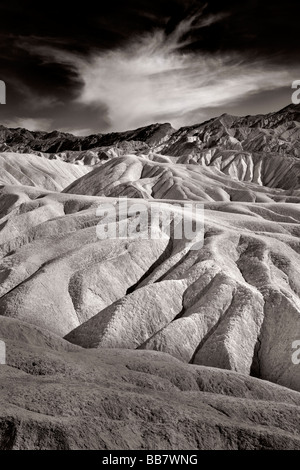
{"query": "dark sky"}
(116, 65)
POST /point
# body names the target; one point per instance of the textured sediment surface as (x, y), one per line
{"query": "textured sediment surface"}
(57, 396)
(151, 343)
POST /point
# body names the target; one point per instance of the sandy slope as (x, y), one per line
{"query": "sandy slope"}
(31, 170)
(233, 304)
(57, 396)
(139, 177)
(137, 343)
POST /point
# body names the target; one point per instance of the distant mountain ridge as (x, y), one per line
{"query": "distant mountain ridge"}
(24, 141)
(277, 132)
(262, 149)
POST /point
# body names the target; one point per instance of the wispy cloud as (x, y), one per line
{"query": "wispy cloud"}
(41, 124)
(77, 132)
(153, 78)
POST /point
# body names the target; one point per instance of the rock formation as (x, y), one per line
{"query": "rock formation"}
(150, 343)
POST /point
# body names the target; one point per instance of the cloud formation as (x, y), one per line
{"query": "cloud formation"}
(39, 124)
(155, 78)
